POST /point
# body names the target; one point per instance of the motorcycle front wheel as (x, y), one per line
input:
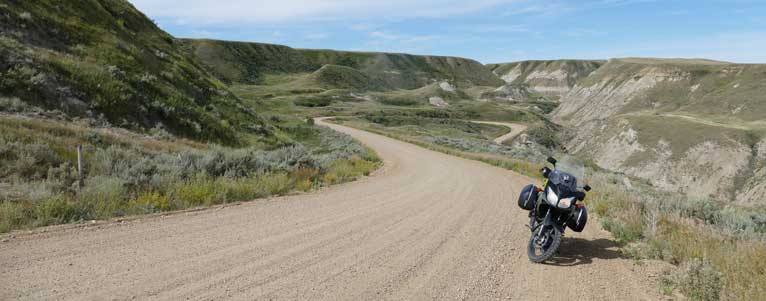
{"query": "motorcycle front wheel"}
(543, 246)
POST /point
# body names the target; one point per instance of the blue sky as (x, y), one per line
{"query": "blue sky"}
(486, 30)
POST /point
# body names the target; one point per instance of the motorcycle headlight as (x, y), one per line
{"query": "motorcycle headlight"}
(551, 197)
(566, 202)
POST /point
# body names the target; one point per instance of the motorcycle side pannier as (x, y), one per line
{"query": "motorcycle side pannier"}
(528, 197)
(579, 219)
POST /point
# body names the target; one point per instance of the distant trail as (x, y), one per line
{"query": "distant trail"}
(516, 129)
(743, 126)
(428, 226)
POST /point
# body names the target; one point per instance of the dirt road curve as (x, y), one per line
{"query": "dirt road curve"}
(516, 129)
(429, 226)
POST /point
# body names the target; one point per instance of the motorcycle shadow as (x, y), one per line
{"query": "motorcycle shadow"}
(576, 251)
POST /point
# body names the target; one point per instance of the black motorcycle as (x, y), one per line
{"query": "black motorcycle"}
(551, 209)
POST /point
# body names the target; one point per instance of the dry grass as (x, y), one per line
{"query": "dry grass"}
(716, 262)
(129, 174)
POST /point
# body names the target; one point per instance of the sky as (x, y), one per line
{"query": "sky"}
(490, 31)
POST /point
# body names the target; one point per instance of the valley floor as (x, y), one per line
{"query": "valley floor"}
(429, 225)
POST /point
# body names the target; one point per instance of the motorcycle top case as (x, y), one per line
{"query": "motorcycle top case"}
(579, 219)
(528, 197)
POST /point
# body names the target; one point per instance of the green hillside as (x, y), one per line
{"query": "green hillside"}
(157, 132)
(242, 62)
(104, 60)
(248, 62)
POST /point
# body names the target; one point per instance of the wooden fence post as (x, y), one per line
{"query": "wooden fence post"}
(80, 181)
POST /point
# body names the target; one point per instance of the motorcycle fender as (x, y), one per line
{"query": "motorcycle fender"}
(549, 222)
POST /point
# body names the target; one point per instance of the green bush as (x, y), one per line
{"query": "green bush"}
(11, 216)
(240, 190)
(57, 210)
(698, 280)
(399, 101)
(623, 232)
(149, 202)
(196, 192)
(103, 197)
(313, 101)
(13, 104)
(277, 184)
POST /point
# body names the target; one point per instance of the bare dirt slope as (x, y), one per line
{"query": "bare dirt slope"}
(428, 226)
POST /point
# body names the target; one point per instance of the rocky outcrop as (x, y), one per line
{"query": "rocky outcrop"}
(608, 92)
(511, 92)
(681, 125)
(551, 79)
(754, 188)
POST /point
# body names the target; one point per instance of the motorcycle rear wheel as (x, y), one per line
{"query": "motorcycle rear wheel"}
(539, 253)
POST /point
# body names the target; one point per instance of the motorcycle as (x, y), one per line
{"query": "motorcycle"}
(552, 209)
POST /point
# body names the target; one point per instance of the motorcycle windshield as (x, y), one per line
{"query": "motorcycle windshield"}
(563, 181)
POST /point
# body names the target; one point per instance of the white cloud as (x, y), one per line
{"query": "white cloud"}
(294, 11)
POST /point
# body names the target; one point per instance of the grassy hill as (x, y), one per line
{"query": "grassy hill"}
(158, 132)
(106, 61)
(248, 62)
(343, 77)
(242, 62)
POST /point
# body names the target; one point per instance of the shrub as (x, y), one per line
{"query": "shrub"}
(149, 202)
(304, 178)
(330, 178)
(57, 210)
(313, 101)
(348, 170)
(289, 159)
(238, 190)
(30, 160)
(399, 101)
(698, 280)
(704, 209)
(13, 104)
(624, 232)
(196, 192)
(743, 223)
(11, 216)
(103, 197)
(304, 185)
(277, 184)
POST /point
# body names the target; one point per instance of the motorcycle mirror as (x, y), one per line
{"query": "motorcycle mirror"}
(545, 171)
(586, 188)
(552, 160)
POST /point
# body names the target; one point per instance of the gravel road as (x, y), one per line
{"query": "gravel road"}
(427, 225)
(516, 129)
